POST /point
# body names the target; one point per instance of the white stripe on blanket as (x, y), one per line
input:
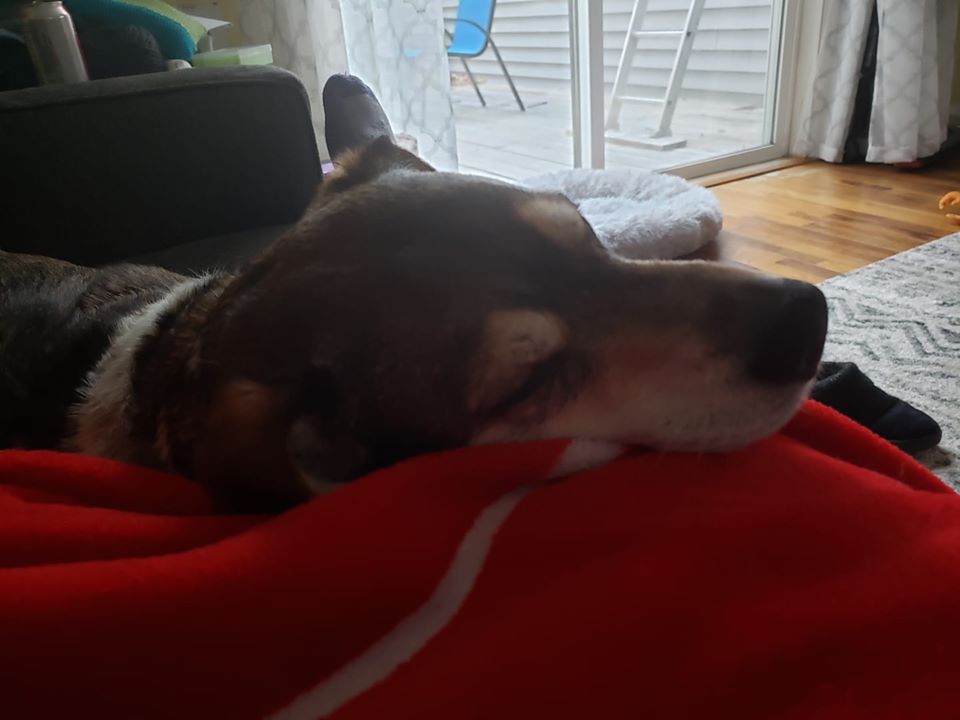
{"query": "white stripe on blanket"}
(414, 632)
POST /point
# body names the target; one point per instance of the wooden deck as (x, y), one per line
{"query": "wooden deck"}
(501, 141)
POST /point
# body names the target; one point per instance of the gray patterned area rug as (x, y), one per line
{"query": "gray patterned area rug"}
(899, 321)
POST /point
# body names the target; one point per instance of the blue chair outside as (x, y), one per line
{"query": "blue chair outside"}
(470, 38)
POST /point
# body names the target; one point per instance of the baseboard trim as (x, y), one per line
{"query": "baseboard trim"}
(728, 176)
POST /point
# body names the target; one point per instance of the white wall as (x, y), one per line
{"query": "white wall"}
(729, 61)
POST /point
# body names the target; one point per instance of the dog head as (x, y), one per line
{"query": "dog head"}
(413, 310)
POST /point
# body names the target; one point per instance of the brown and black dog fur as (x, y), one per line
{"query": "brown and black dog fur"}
(408, 311)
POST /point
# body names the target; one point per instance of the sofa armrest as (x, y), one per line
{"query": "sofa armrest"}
(101, 171)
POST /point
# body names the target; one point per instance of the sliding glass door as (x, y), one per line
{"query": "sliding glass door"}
(687, 86)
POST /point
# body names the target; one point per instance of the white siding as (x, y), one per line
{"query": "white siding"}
(729, 60)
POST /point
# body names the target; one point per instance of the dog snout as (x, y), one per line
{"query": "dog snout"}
(788, 349)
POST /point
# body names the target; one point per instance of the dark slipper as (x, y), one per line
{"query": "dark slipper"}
(353, 116)
(845, 388)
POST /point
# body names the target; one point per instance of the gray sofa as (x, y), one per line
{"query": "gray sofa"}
(188, 169)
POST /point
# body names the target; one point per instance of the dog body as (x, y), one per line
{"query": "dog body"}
(57, 321)
(408, 311)
(74, 342)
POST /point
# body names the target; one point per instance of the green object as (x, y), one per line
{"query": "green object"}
(176, 32)
(194, 28)
(253, 55)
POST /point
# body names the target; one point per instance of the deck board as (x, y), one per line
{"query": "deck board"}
(501, 141)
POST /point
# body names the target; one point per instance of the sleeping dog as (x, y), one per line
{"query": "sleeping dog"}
(408, 311)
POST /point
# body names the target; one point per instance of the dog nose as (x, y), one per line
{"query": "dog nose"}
(789, 348)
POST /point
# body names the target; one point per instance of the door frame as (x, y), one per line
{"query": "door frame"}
(586, 82)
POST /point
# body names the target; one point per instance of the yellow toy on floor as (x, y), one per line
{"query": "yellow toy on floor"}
(951, 198)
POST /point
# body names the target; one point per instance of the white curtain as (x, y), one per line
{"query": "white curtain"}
(395, 46)
(911, 92)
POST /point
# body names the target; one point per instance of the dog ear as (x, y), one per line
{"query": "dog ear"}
(324, 456)
(267, 446)
(356, 167)
(515, 344)
(241, 455)
(322, 447)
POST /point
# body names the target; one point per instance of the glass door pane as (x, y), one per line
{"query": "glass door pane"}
(724, 99)
(724, 90)
(499, 138)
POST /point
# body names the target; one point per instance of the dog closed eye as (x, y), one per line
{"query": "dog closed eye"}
(519, 356)
(538, 384)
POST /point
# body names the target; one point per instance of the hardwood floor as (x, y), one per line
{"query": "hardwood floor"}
(818, 220)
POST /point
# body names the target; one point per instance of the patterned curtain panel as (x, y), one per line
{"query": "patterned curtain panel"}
(396, 47)
(911, 91)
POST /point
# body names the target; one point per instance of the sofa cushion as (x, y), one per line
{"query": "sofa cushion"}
(225, 252)
(105, 170)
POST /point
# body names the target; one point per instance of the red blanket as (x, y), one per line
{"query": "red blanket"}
(813, 575)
